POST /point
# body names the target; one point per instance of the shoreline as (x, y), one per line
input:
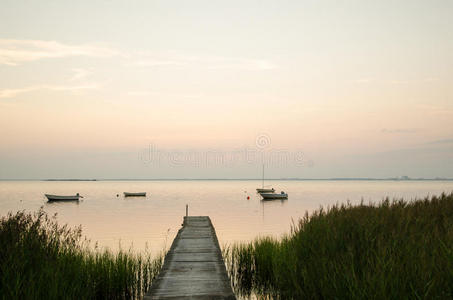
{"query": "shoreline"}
(235, 179)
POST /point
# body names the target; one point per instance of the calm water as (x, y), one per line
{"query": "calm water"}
(154, 220)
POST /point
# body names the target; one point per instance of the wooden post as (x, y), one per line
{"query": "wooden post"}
(187, 210)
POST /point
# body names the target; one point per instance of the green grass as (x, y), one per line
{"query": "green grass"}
(392, 250)
(39, 259)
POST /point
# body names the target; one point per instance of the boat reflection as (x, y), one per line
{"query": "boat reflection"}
(62, 203)
(270, 204)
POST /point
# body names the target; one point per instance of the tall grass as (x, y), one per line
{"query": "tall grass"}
(39, 259)
(392, 250)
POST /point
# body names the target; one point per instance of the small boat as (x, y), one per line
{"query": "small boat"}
(51, 198)
(141, 194)
(273, 196)
(262, 189)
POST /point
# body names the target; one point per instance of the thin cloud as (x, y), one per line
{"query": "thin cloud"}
(363, 80)
(436, 109)
(14, 52)
(163, 94)
(400, 130)
(415, 81)
(139, 93)
(400, 81)
(155, 63)
(12, 93)
(146, 59)
(444, 141)
(79, 74)
(241, 63)
(219, 62)
(431, 79)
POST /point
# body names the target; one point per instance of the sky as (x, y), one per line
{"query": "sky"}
(215, 89)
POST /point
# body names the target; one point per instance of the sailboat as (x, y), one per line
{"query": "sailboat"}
(262, 189)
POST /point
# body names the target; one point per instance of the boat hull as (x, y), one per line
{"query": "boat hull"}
(52, 198)
(273, 196)
(265, 190)
(126, 194)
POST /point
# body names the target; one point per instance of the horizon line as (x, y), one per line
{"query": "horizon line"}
(232, 179)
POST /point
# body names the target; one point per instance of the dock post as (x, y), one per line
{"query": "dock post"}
(187, 210)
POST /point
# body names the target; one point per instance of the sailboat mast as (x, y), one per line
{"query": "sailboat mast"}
(263, 176)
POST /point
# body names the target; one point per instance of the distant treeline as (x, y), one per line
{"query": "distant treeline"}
(70, 180)
(268, 179)
(393, 250)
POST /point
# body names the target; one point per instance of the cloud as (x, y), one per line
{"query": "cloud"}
(400, 130)
(257, 64)
(415, 81)
(80, 74)
(439, 110)
(171, 59)
(155, 63)
(14, 52)
(444, 141)
(400, 81)
(11, 93)
(363, 80)
(431, 79)
(220, 62)
(163, 94)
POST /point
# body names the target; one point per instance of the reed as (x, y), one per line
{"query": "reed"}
(39, 259)
(391, 250)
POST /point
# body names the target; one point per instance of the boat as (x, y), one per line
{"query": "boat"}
(262, 189)
(140, 194)
(273, 196)
(51, 198)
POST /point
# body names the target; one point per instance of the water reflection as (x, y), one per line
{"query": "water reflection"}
(282, 201)
(108, 218)
(271, 204)
(62, 203)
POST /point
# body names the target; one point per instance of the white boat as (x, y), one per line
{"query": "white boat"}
(140, 194)
(273, 196)
(75, 197)
(263, 189)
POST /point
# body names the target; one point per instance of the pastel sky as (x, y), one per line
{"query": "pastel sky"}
(99, 89)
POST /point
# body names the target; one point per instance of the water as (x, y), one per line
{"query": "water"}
(154, 221)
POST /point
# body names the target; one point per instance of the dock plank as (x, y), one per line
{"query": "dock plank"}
(194, 267)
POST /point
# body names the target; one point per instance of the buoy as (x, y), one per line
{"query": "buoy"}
(248, 197)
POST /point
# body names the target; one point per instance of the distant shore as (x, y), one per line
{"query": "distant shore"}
(240, 179)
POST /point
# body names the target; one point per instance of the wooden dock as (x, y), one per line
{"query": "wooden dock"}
(194, 267)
